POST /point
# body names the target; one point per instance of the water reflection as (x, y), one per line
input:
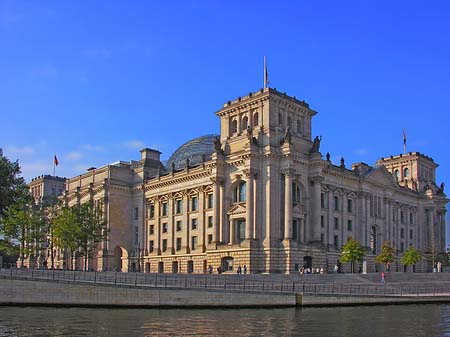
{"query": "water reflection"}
(406, 320)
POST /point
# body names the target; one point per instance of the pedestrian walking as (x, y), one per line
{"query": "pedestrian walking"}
(383, 280)
(245, 269)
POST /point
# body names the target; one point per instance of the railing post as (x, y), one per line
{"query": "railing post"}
(135, 279)
(115, 278)
(95, 276)
(263, 285)
(32, 272)
(156, 280)
(53, 276)
(74, 275)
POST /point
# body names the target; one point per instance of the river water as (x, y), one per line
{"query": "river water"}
(395, 320)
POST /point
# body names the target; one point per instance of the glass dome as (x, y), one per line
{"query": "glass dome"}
(194, 150)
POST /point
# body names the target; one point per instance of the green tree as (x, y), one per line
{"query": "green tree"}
(66, 230)
(411, 256)
(22, 225)
(93, 229)
(352, 252)
(13, 188)
(386, 255)
(79, 228)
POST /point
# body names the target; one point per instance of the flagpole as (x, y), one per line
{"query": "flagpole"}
(54, 167)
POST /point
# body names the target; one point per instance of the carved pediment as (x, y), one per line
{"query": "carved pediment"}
(382, 176)
(237, 209)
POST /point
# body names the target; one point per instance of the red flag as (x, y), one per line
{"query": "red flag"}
(56, 161)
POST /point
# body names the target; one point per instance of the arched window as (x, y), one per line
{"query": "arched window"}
(290, 123)
(295, 193)
(240, 192)
(280, 119)
(244, 123)
(234, 126)
(299, 126)
(255, 119)
(406, 173)
(397, 174)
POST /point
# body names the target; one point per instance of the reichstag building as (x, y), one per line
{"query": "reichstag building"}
(259, 194)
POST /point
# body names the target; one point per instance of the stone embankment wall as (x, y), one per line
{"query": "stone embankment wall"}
(34, 292)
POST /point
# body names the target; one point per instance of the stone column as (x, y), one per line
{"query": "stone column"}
(249, 205)
(170, 229)
(231, 238)
(315, 209)
(201, 220)
(185, 222)
(288, 205)
(217, 228)
(221, 212)
(157, 227)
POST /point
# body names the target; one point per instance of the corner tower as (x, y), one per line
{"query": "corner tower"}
(267, 117)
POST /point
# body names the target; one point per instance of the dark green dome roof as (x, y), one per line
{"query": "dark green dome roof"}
(194, 149)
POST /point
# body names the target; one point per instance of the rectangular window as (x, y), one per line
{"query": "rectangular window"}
(178, 206)
(402, 233)
(402, 247)
(136, 235)
(164, 227)
(152, 229)
(321, 237)
(178, 243)
(336, 203)
(179, 226)
(411, 218)
(210, 238)
(210, 221)
(164, 245)
(336, 223)
(322, 200)
(194, 204)
(336, 242)
(349, 225)
(322, 221)
(164, 209)
(210, 201)
(194, 223)
(136, 213)
(151, 246)
(194, 243)
(402, 217)
(350, 205)
(151, 211)
(410, 234)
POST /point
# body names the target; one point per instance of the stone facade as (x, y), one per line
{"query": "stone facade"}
(263, 196)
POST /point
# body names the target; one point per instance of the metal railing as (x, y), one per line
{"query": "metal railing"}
(232, 283)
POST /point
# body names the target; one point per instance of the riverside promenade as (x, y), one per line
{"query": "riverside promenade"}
(83, 288)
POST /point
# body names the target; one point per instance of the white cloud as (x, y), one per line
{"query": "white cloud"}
(134, 145)
(19, 150)
(90, 147)
(74, 155)
(34, 169)
(361, 152)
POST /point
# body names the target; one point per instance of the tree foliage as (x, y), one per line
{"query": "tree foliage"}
(79, 228)
(352, 252)
(386, 255)
(411, 256)
(13, 188)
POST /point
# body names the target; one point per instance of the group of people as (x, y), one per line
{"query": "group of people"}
(239, 269)
(304, 270)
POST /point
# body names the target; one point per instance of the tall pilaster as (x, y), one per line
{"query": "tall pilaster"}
(288, 204)
(315, 209)
(249, 217)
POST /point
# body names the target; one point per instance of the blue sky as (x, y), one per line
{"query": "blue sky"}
(95, 81)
